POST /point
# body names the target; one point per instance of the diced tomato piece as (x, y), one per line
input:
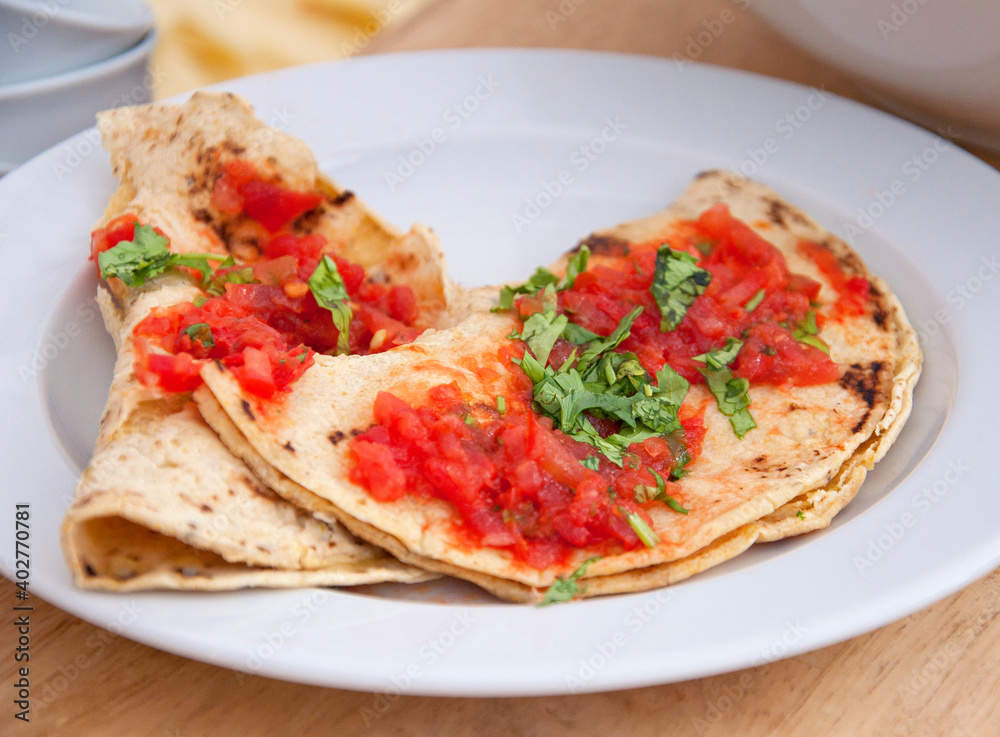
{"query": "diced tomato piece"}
(274, 206)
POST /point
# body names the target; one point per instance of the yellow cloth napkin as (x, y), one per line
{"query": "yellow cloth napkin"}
(206, 41)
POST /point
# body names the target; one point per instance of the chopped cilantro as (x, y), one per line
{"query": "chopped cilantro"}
(543, 278)
(800, 514)
(755, 300)
(731, 394)
(591, 462)
(540, 332)
(201, 332)
(147, 256)
(646, 533)
(578, 335)
(677, 282)
(501, 404)
(807, 332)
(609, 385)
(659, 494)
(328, 288)
(564, 589)
(217, 284)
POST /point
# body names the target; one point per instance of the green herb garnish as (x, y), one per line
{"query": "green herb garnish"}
(543, 278)
(755, 300)
(501, 404)
(591, 462)
(800, 514)
(328, 288)
(731, 394)
(644, 494)
(646, 533)
(564, 589)
(146, 256)
(807, 332)
(540, 332)
(678, 281)
(610, 385)
(201, 332)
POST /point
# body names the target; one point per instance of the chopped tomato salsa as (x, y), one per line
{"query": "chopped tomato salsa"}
(262, 320)
(517, 483)
(741, 264)
(852, 292)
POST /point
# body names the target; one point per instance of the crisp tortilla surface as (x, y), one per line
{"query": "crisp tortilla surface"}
(163, 503)
(809, 439)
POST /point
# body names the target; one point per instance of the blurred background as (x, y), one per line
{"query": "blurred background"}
(206, 41)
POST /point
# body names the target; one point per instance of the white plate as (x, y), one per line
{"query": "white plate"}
(923, 526)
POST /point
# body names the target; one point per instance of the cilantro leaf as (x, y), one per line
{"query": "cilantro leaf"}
(578, 335)
(217, 284)
(677, 282)
(659, 494)
(591, 462)
(137, 260)
(147, 255)
(603, 345)
(807, 332)
(564, 589)
(731, 394)
(543, 278)
(328, 288)
(540, 332)
(646, 533)
(577, 265)
(202, 332)
(755, 300)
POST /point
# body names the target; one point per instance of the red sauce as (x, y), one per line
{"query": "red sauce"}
(265, 331)
(741, 264)
(852, 292)
(517, 483)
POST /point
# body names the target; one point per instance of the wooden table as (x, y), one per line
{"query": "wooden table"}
(934, 673)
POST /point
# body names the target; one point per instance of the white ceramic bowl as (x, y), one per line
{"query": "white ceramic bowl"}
(35, 115)
(42, 38)
(935, 61)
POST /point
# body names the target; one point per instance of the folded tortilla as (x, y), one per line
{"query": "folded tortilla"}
(163, 503)
(812, 443)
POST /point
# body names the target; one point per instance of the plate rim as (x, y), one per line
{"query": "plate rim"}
(444, 686)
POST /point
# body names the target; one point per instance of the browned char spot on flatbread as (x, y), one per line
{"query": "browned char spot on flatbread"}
(865, 382)
(604, 245)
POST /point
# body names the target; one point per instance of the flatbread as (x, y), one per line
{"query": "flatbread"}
(163, 503)
(810, 440)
